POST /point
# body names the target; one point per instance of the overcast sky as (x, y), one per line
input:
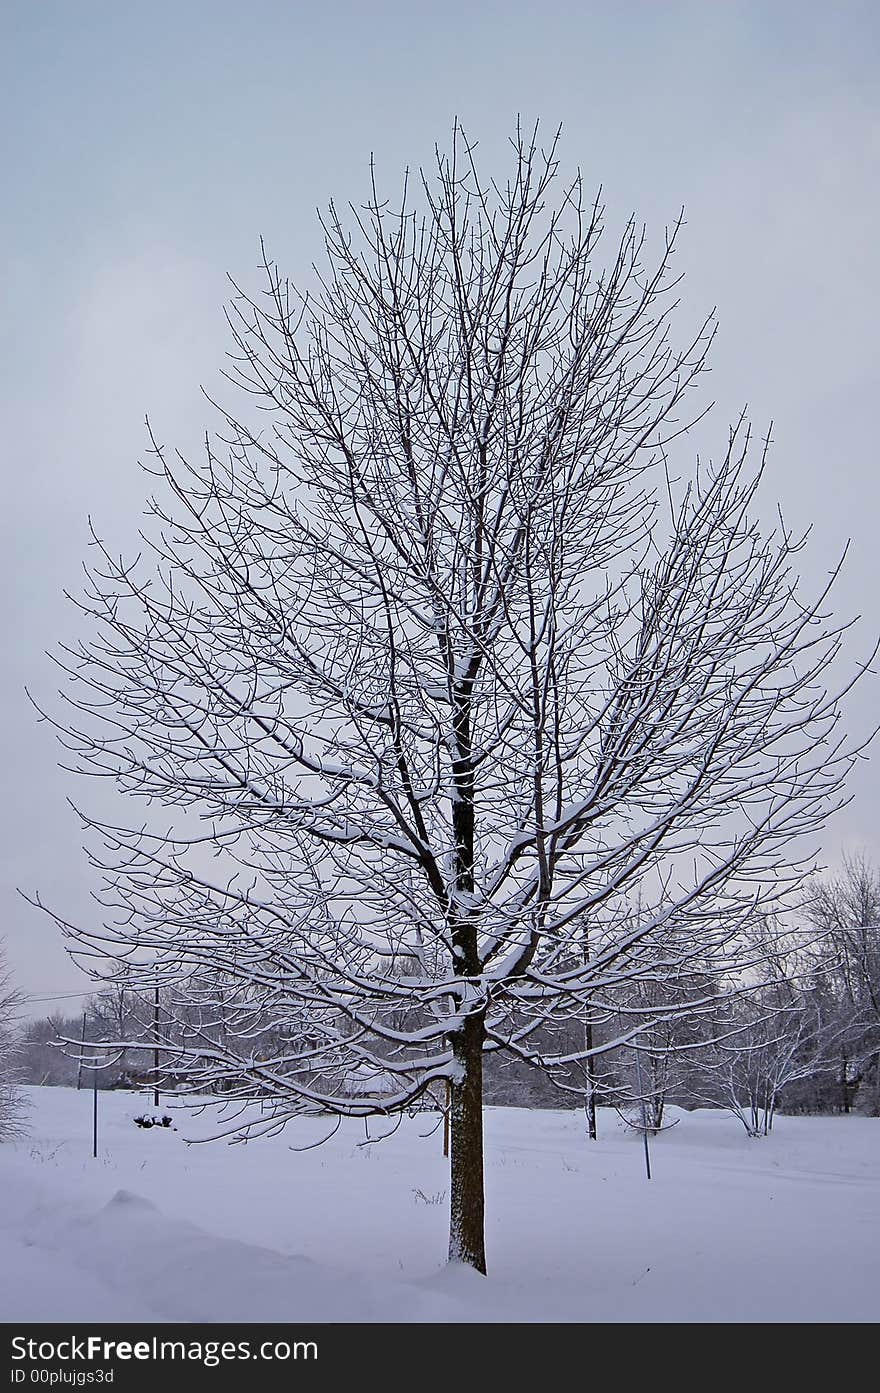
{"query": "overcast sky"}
(147, 148)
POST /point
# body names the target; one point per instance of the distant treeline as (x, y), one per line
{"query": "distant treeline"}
(802, 1036)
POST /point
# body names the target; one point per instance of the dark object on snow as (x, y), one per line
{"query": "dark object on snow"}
(146, 1121)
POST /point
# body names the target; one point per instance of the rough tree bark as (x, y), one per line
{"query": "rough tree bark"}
(467, 1242)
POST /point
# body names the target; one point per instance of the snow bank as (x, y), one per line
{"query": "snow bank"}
(785, 1228)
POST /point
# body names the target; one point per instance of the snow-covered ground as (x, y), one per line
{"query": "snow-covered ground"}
(786, 1228)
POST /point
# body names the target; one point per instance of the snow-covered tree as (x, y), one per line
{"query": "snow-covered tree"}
(12, 1107)
(780, 1028)
(450, 668)
(846, 909)
(656, 1068)
(763, 1042)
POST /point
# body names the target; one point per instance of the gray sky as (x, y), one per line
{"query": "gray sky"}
(147, 147)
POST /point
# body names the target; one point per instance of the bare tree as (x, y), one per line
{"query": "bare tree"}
(655, 1069)
(40, 1060)
(846, 908)
(12, 1104)
(440, 666)
(775, 1034)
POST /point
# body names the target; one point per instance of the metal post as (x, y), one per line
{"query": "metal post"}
(645, 1135)
(156, 1049)
(590, 1095)
(94, 1115)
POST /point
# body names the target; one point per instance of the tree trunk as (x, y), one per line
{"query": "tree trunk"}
(466, 1210)
(447, 1102)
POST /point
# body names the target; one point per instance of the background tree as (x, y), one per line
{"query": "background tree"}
(657, 1067)
(846, 909)
(12, 1103)
(432, 662)
(41, 1061)
(766, 1039)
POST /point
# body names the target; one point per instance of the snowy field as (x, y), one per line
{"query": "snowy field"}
(786, 1228)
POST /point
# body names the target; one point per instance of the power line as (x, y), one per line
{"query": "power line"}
(63, 996)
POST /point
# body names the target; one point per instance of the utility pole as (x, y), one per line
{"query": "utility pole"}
(590, 1097)
(156, 1048)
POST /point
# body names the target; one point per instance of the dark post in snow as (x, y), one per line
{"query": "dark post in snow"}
(645, 1137)
(156, 1048)
(590, 1101)
(95, 1114)
(590, 1096)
